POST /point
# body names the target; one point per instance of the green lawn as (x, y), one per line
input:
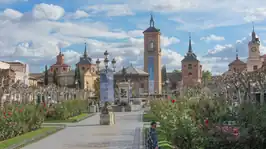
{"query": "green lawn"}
(71, 119)
(19, 139)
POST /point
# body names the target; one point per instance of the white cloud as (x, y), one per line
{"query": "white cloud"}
(167, 41)
(111, 9)
(77, 15)
(12, 14)
(212, 37)
(48, 11)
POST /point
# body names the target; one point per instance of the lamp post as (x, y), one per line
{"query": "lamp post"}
(166, 82)
(107, 116)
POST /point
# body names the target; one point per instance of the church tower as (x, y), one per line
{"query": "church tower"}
(152, 58)
(191, 68)
(254, 62)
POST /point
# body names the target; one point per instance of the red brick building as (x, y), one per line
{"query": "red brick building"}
(191, 68)
(60, 65)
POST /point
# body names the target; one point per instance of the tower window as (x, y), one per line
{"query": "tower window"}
(189, 66)
(151, 44)
(255, 67)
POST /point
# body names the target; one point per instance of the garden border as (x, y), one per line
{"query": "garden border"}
(37, 138)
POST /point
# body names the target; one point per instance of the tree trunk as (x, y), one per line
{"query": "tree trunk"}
(261, 96)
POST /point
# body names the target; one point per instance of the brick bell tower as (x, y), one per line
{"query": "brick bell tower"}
(152, 58)
(191, 68)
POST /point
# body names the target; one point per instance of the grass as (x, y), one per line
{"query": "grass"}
(27, 136)
(71, 119)
(149, 117)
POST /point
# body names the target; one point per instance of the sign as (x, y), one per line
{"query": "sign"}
(151, 74)
(106, 86)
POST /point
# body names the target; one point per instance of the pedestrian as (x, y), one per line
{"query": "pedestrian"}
(152, 140)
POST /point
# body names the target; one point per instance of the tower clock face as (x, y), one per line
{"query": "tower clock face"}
(253, 49)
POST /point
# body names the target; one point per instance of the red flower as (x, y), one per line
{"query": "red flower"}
(9, 113)
(21, 110)
(206, 122)
(236, 132)
(173, 101)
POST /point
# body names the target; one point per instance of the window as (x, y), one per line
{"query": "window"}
(64, 69)
(83, 68)
(142, 85)
(255, 67)
(56, 69)
(189, 73)
(92, 69)
(189, 66)
(151, 44)
(234, 69)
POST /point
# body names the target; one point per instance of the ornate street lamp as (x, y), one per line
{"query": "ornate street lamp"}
(106, 109)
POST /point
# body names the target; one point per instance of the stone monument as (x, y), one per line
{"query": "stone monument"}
(107, 116)
(124, 88)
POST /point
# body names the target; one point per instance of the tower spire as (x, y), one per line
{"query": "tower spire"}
(253, 32)
(151, 21)
(85, 51)
(236, 54)
(189, 44)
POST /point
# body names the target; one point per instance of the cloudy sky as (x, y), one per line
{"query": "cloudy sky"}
(33, 31)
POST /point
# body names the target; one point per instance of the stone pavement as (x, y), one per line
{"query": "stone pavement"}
(88, 134)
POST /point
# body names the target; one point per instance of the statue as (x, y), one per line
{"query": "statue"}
(107, 115)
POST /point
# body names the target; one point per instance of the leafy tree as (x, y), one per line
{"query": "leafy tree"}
(46, 76)
(176, 71)
(55, 77)
(206, 76)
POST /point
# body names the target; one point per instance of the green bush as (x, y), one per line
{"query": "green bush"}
(183, 124)
(17, 119)
(67, 109)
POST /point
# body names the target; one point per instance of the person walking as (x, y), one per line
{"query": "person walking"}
(152, 137)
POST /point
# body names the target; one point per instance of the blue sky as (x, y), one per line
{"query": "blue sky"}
(33, 31)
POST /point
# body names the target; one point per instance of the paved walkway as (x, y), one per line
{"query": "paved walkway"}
(88, 134)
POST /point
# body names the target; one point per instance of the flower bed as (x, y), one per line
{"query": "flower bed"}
(184, 124)
(19, 119)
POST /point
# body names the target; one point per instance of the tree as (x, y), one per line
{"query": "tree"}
(96, 86)
(55, 77)
(46, 76)
(163, 72)
(206, 76)
(176, 71)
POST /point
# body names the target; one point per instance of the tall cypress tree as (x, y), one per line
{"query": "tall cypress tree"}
(46, 76)
(77, 76)
(55, 77)
(164, 74)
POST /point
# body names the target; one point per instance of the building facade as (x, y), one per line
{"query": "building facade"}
(21, 70)
(138, 78)
(87, 70)
(191, 68)
(60, 66)
(254, 61)
(152, 58)
(237, 65)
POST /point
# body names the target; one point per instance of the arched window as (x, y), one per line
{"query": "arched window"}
(189, 73)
